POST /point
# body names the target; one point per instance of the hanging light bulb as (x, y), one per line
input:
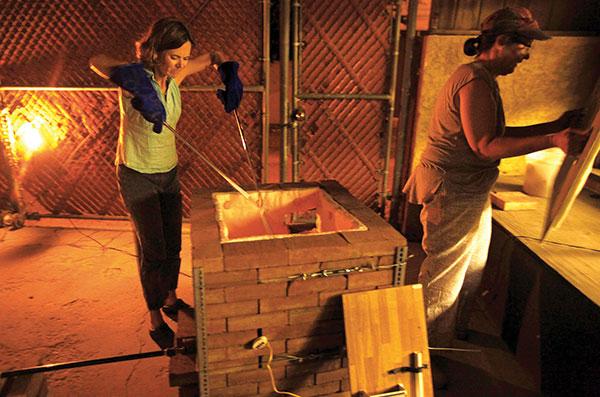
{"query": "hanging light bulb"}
(29, 136)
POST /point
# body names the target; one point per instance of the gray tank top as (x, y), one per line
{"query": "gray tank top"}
(447, 160)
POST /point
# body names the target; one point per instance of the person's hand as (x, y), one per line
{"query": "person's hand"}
(571, 118)
(133, 78)
(216, 59)
(571, 140)
(232, 95)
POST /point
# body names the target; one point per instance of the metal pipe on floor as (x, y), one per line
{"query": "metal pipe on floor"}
(87, 363)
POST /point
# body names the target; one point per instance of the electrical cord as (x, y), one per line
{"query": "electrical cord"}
(259, 344)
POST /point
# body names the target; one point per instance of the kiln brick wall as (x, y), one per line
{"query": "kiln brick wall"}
(248, 293)
(299, 317)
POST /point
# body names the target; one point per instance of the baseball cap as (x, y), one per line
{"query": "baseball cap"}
(513, 20)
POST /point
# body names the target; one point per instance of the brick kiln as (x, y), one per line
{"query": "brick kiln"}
(285, 283)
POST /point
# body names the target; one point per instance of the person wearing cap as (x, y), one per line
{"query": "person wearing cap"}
(459, 165)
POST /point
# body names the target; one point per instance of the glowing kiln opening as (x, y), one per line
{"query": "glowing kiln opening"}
(287, 212)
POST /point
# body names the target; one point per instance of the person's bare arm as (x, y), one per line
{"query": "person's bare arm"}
(478, 116)
(103, 65)
(198, 64)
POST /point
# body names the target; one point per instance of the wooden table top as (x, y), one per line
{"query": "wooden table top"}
(573, 249)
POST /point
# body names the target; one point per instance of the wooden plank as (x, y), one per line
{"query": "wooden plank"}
(561, 16)
(513, 201)
(569, 250)
(445, 10)
(487, 8)
(383, 328)
(467, 16)
(541, 12)
(575, 169)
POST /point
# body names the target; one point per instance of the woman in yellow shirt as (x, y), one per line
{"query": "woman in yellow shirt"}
(147, 158)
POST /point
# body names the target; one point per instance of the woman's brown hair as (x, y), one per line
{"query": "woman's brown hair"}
(165, 34)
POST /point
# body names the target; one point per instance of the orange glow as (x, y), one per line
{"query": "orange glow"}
(30, 136)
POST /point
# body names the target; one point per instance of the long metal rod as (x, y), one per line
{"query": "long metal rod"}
(297, 41)
(58, 89)
(392, 99)
(212, 88)
(284, 64)
(245, 146)
(200, 88)
(411, 29)
(261, 209)
(317, 95)
(83, 363)
(207, 161)
(266, 101)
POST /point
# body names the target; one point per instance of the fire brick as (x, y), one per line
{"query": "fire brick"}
(315, 343)
(305, 329)
(325, 389)
(332, 376)
(371, 279)
(222, 310)
(214, 296)
(301, 287)
(217, 326)
(260, 375)
(256, 321)
(254, 254)
(247, 292)
(312, 367)
(293, 302)
(285, 271)
(235, 391)
(218, 279)
(231, 338)
(315, 314)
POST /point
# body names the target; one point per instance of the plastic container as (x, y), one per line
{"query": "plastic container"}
(540, 171)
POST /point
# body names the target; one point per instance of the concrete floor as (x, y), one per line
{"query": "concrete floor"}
(70, 291)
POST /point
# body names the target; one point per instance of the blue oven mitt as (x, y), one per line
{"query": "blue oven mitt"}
(133, 78)
(232, 95)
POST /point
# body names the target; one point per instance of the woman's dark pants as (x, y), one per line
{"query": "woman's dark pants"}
(154, 204)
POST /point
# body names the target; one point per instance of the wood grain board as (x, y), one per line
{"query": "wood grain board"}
(574, 171)
(513, 201)
(383, 327)
(571, 250)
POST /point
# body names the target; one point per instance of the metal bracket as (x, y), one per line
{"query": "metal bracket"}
(408, 369)
(400, 255)
(201, 333)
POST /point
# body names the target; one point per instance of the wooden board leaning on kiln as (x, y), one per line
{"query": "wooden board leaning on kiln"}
(383, 327)
(575, 169)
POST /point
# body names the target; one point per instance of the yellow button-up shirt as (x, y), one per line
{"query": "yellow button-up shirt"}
(139, 147)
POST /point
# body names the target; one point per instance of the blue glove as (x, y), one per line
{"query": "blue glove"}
(133, 78)
(232, 95)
